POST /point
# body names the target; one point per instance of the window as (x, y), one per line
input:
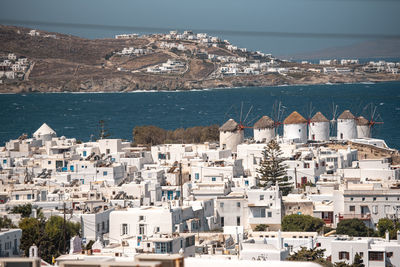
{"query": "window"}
(361, 254)
(269, 214)
(49, 162)
(4, 161)
(344, 255)
(196, 176)
(375, 209)
(213, 179)
(389, 254)
(104, 173)
(351, 198)
(98, 227)
(124, 229)
(16, 197)
(84, 153)
(374, 199)
(246, 183)
(29, 196)
(163, 247)
(261, 197)
(352, 208)
(189, 241)
(141, 218)
(375, 256)
(141, 229)
(221, 205)
(238, 220)
(103, 226)
(222, 221)
(238, 204)
(363, 199)
(262, 213)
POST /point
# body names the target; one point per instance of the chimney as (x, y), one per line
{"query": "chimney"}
(280, 243)
(387, 237)
(33, 251)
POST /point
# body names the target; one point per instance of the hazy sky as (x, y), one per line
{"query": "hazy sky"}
(369, 17)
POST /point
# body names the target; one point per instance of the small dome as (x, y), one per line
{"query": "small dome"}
(346, 115)
(362, 121)
(43, 130)
(264, 123)
(295, 118)
(319, 117)
(229, 126)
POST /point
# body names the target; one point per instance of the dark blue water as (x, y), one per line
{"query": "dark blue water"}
(77, 115)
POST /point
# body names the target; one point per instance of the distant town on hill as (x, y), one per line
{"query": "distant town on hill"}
(32, 60)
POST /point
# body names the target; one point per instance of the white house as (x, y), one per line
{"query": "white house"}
(265, 207)
(10, 240)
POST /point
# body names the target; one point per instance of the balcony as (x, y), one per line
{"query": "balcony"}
(347, 216)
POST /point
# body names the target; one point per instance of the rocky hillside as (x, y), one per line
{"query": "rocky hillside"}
(62, 63)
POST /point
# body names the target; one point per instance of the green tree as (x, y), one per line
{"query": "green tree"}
(6, 222)
(302, 223)
(314, 255)
(385, 224)
(261, 228)
(358, 261)
(24, 210)
(54, 231)
(272, 170)
(48, 235)
(30, 233)
(353, 227)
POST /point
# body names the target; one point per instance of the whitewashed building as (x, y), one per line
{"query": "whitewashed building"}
(10, 240)
(230, 135)
(346, 126)
(318, 129)
(264, 130)
(295, 128)
(363, 128)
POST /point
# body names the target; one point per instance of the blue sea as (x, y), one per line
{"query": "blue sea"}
(78, 114)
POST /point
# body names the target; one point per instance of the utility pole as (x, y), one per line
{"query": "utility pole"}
(181, 185)
(64, 230)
